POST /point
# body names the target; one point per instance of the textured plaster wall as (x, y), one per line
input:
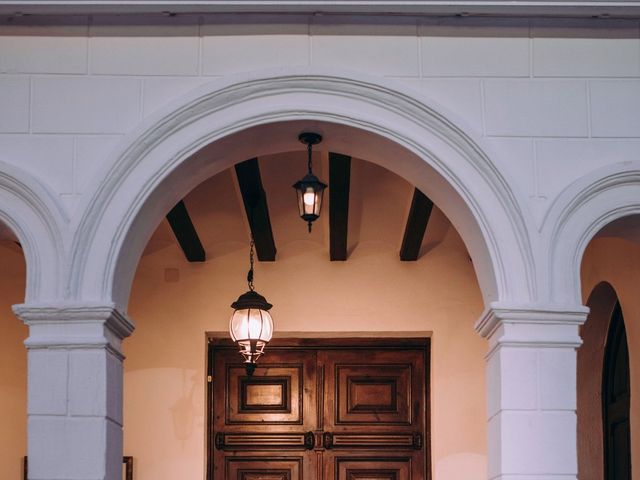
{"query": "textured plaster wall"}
(615, 261)
(174, 304)
(13, 364)
(553, 99)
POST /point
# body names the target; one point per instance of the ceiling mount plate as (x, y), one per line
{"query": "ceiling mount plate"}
(310, 138)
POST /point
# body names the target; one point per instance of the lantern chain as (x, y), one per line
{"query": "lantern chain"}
(250, 272)
(309, 148)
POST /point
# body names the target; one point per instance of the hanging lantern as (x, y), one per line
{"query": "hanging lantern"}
(309, 189)
(251, 325)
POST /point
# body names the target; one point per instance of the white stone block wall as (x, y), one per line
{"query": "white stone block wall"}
(553, 98)
(14, 98)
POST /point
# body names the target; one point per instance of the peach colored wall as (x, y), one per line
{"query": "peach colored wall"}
(617, 262)
(13, 364)
(174, 303)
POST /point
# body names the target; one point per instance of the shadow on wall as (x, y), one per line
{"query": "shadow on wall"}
(163, 427)
(184, 409)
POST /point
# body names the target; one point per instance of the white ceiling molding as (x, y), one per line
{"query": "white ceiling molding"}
(581, 8)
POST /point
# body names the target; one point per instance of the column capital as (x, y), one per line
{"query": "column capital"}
(532, 325)
(74, 325)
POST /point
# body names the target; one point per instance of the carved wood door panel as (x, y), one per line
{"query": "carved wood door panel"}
(373, 414)
(320, 410)
(262, 423)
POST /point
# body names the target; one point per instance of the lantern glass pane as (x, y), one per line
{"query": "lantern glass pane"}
(267, 326)
(318, 202)
(251, 324)
(309, 201)
(300, 202)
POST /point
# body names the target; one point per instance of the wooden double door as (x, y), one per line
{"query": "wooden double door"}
(332, 410)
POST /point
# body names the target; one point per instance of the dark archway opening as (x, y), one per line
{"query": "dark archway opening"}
(616, 396)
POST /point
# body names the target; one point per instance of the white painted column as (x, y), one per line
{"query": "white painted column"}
(74, 391)
(531, 387)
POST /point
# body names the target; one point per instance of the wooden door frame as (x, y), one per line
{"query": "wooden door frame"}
(217, 342)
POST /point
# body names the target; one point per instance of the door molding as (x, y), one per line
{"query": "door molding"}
(217, 343)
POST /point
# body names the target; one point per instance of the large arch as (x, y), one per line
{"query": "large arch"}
(581, 211)
(164, 158)
(37, 219)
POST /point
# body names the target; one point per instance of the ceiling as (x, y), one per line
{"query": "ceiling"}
(379, 204)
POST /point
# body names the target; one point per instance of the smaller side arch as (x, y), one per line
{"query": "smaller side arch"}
(36, 217)
(581, 211)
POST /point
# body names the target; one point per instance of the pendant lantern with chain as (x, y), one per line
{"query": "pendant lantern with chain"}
(251, 325)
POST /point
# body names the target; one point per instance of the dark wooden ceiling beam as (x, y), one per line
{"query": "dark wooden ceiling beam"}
(419, 214)
(339, 183)
(255, 205)
(185, 233)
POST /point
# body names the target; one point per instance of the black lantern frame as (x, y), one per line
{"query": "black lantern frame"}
(310, 190)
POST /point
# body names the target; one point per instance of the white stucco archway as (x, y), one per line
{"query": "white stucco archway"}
(581, 211)
(35, 216)
(32, 215)
(157, 164)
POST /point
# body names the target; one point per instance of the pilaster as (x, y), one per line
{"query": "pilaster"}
(74, 390)
(531, 384)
